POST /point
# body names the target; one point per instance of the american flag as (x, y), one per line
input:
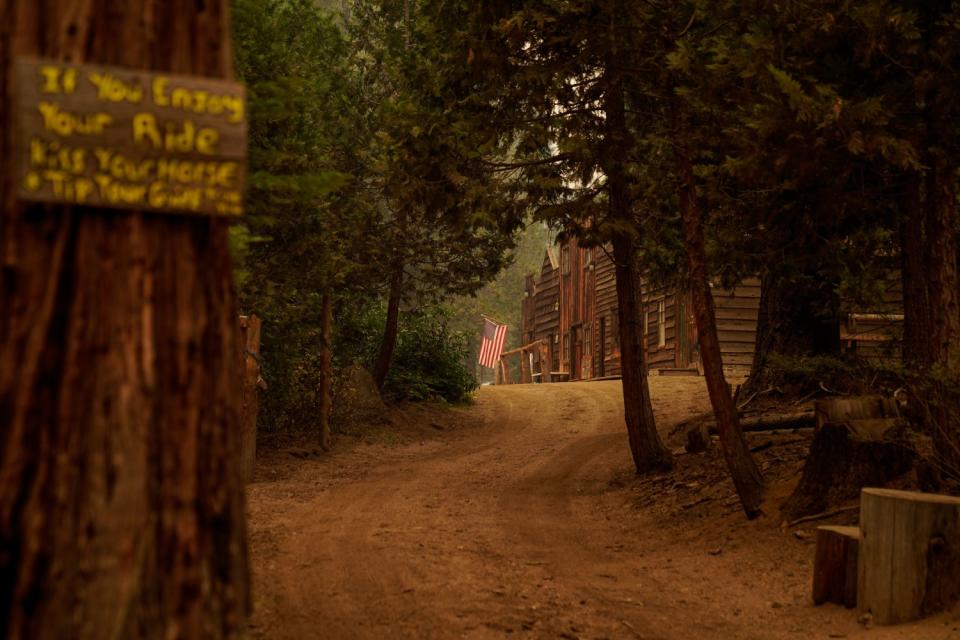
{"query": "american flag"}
(491, 345)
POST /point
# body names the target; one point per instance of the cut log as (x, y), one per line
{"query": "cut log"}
(835, 566)
(674, 371)
(799, 420)
(909, 564)
(853, 410)
(698, 439)
(848, 454)
(768, 422)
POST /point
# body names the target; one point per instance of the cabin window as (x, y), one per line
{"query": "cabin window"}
(661, 324)
(586, 341)
(646, 322)
(565, 260)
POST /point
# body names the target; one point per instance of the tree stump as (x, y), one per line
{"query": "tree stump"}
(858, 442)
(835, 566)
(909, 564)
(698, 439)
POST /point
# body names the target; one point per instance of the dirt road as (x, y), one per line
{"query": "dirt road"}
(519, 517)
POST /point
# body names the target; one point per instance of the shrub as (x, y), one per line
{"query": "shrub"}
(430, 360)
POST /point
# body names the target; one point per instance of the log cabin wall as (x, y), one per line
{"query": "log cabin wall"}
(577, 310)
(588, 315)
(661, 327)
(546, 306)
(737, 311)
(528, 310)
(574, 308)
(606, 331)
(571, 308)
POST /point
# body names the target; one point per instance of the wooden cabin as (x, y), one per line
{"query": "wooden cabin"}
(572, 304)
(671, 327)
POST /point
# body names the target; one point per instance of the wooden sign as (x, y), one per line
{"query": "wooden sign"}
(128, 139)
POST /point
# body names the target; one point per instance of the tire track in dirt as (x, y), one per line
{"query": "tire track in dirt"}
(517, 522)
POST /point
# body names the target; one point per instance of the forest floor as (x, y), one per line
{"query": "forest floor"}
(519, 516)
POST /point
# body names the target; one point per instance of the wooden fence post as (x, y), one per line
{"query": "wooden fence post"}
(250, 368)
(526, 373)
(543, 355)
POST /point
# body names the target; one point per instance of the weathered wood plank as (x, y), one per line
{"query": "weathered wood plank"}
(909, 564)
(835, 565)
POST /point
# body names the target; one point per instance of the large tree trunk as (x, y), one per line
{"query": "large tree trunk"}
(390, 330)
(743, 470)
(944, 335)
(121, 501)
(929, 255)
(326, 369)
(941, 241)
(913, 270)
(647, 448)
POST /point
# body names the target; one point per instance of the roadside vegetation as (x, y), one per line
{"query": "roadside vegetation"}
(399, 148)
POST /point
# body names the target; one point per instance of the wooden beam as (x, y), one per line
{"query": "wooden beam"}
(526, 347)
(877, 316)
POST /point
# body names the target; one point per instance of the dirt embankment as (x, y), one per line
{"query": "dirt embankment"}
(519, 516)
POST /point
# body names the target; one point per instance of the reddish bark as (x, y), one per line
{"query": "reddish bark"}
(390, 330)
(913, 265)
(647, 448)
(743, 470)
(121, 500)
(326, 369)
(941, 275)
(649, 453)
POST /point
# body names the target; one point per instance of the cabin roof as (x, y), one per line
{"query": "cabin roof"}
(552, 257)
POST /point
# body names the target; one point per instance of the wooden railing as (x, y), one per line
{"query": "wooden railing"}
(527, 375)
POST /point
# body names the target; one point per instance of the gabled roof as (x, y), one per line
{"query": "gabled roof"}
(552, 257)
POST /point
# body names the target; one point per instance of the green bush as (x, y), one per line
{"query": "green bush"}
(430, 360)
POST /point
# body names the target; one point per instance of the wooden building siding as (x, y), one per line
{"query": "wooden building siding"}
(541, 309)
(573, 305)
(660, 356)
(737, 310)
(575, 310)
(606, 329)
